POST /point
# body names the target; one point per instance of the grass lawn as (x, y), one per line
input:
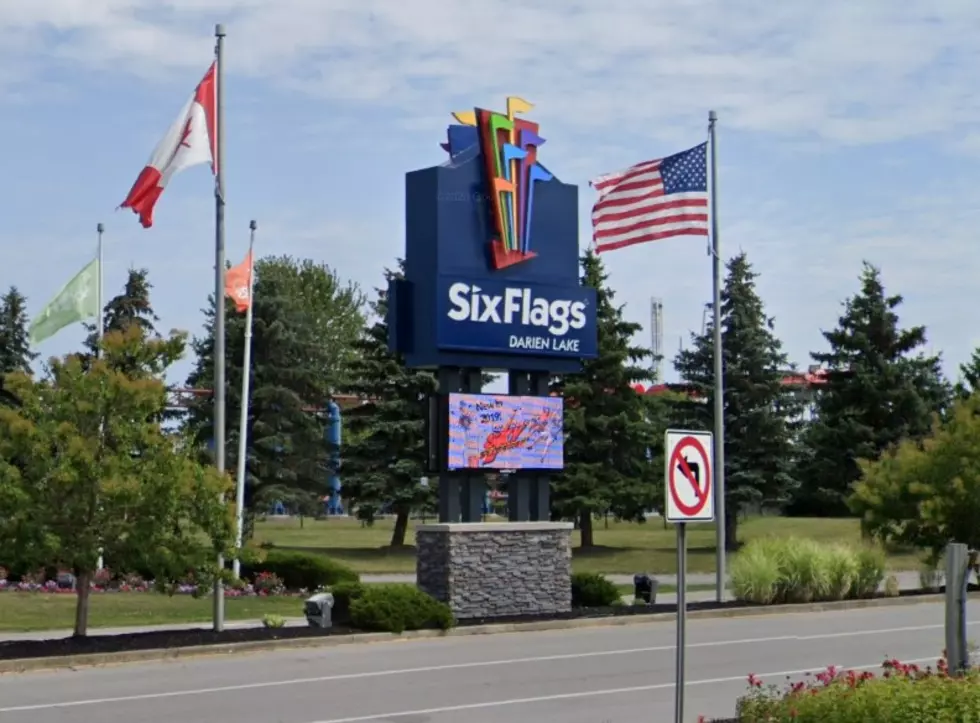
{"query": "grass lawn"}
(623, 548)
(24, 612)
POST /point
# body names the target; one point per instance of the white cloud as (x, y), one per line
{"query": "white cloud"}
(843, 71)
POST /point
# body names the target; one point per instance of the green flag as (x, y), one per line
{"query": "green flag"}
(77, 300)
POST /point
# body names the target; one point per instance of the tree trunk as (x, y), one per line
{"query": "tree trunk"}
(83, 587)
(731, 532)
(301, 522)
(401, 527)
(585, 529)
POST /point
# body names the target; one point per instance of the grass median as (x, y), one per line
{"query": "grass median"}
(27, 612)
(620, 548)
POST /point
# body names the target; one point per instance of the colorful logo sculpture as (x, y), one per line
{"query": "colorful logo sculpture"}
(509, 146)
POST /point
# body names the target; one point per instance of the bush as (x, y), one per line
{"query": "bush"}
(794, 570)
(343, 593)
(592, 590)
(300, 570)
(396, 608)
(901, 694)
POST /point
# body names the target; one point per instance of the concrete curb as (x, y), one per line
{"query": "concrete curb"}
(24, 665)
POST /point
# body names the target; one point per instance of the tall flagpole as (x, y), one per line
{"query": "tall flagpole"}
(721, 580)
(243, 418)
(219, 296)
(99, 323)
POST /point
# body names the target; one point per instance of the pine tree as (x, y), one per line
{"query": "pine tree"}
(15, 348)
(759, 411)
(609, 428)
(880, 389)
(298, 336)
(130, 308)
(385, 457)
(969, 383)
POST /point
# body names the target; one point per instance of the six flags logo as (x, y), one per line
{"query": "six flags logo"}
(510, 148)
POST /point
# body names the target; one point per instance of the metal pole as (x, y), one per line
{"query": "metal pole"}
(957, 556)
(243, 417)
(721, 580)
(219, 297)
(681, 621)
(100, 328)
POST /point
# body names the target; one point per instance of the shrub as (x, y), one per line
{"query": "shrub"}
(268, 582)
(592, 590)
(794, 570)
(901, 694)
(343, 593)
(396, 608)
(299, 570)
(271, 620)
(892, 588)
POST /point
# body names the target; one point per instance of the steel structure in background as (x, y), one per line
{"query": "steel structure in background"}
(657, 335)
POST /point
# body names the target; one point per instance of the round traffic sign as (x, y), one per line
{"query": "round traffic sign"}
(680, 473)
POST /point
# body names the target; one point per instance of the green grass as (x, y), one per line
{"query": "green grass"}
(25, 612)
(623, 548)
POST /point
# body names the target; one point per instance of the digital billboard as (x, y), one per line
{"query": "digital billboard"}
(504, 432)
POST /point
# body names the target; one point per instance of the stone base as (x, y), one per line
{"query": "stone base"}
(496, 569)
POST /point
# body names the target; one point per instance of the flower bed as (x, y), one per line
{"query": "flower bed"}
(900, 693)
(264, 584)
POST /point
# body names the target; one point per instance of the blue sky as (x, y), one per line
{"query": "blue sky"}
(847, 131)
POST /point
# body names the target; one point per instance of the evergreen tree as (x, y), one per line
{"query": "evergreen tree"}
(969, 382)
(15, 348)
(300, 314)
(609, 428)
(759, 410)
(130, 308)
(385, 457)
(880, 389)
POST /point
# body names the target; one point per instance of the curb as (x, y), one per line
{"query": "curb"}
(24, 665)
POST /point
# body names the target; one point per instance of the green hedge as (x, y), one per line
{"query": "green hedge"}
(299, 570)
(395, 608)
(907, 695)
(592, 590)
(794, 570)
(343, 593)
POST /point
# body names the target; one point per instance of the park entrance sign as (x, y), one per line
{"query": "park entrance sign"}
(492, 284)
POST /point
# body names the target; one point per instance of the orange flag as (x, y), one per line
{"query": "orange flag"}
(237, 283)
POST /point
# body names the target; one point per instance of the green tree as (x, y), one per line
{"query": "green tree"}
(926, 493)
(385, 455)
(969, 382)
(82, 470)
(301, 346)
(132, 307)
(15, 347)
(609, 428)
(880, 389)
(759, 410)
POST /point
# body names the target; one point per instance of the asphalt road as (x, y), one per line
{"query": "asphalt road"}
(596, 675)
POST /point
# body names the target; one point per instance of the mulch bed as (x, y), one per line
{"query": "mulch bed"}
(155, 640)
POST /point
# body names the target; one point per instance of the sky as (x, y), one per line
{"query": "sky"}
(847, 131)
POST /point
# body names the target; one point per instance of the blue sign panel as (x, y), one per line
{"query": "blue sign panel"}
(492, 272)
(501, 317)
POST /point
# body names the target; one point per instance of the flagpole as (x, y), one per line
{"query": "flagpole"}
(100, 327)
(243, 418)
(219, 297)
(721, 580)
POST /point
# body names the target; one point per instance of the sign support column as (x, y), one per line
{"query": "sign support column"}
(689, 497)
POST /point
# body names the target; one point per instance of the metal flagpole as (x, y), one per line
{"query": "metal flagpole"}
(219, 297)
(99, 324)
(243, 418)
(719, 435)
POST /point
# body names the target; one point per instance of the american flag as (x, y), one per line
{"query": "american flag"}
(652, 200)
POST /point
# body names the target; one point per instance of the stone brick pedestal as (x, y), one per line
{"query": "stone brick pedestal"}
(496, 569)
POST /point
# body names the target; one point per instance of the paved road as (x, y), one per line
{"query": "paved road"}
(908, 580)
(598, 675)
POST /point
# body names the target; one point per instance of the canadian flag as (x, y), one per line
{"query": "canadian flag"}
(191, 140)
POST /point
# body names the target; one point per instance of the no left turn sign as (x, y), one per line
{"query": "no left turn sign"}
(689, 477)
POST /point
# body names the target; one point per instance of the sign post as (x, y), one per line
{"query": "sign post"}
(689, 497)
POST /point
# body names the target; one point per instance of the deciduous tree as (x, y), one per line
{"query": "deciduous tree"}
(85, 468)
